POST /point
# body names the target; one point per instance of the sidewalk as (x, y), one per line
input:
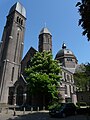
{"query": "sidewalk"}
(40, 115)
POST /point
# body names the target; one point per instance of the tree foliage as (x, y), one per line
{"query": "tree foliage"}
(82, 77)
(84, 21)
(43, 74)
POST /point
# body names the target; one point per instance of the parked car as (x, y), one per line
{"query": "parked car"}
(64, 109)
(82, 105)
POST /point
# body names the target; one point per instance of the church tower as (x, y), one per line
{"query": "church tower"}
(45, 40)
(11, 49)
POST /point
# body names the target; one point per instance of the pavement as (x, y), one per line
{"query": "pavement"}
(36, 115)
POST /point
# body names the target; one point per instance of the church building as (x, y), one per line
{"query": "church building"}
(13, 86)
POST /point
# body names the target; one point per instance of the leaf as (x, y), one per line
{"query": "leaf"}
(78, 3)
(84, 32)
(80, 21)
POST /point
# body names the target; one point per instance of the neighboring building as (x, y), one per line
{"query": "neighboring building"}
(11, 50)
(82, 91)
(84, 97)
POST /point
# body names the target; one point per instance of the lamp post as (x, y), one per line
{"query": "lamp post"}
(14, 99)
(14, 103)
(24, 101)
(24, 98)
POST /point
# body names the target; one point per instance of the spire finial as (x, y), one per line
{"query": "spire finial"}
(63, 45)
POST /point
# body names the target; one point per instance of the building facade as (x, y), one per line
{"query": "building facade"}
(68, 63)
(11, 49)
(13, 86)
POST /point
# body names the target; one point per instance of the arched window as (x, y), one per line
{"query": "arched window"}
(12, 74)
(71, 78)
(65, 76)
(68, 77)
(73, 89)
(17, 19)
(21, 22)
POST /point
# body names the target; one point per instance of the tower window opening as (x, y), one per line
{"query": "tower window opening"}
(17, 19)
(21, 22)
(12, 74)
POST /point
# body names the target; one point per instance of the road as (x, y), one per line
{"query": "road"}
(41, 115)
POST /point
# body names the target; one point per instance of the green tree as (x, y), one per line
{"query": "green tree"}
(84, 21)
(43, 75)
(82, 77)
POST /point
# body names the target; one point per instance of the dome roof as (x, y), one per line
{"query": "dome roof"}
(64, 51)
(19, 8)
(45, 30)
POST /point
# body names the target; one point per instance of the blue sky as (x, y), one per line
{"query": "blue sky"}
(61, 18)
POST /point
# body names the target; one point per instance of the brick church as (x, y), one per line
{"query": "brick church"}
(13, 86)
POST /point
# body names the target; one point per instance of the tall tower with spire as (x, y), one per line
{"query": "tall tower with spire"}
(45, 40)
(11, 49)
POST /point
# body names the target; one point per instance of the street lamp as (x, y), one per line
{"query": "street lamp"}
(24, 98)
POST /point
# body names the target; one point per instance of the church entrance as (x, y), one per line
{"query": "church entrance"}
(19, 95)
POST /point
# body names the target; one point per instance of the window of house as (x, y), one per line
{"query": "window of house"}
(71, 78)
(68, 77)
(65, 76)
(69, 59)
(65, 89)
